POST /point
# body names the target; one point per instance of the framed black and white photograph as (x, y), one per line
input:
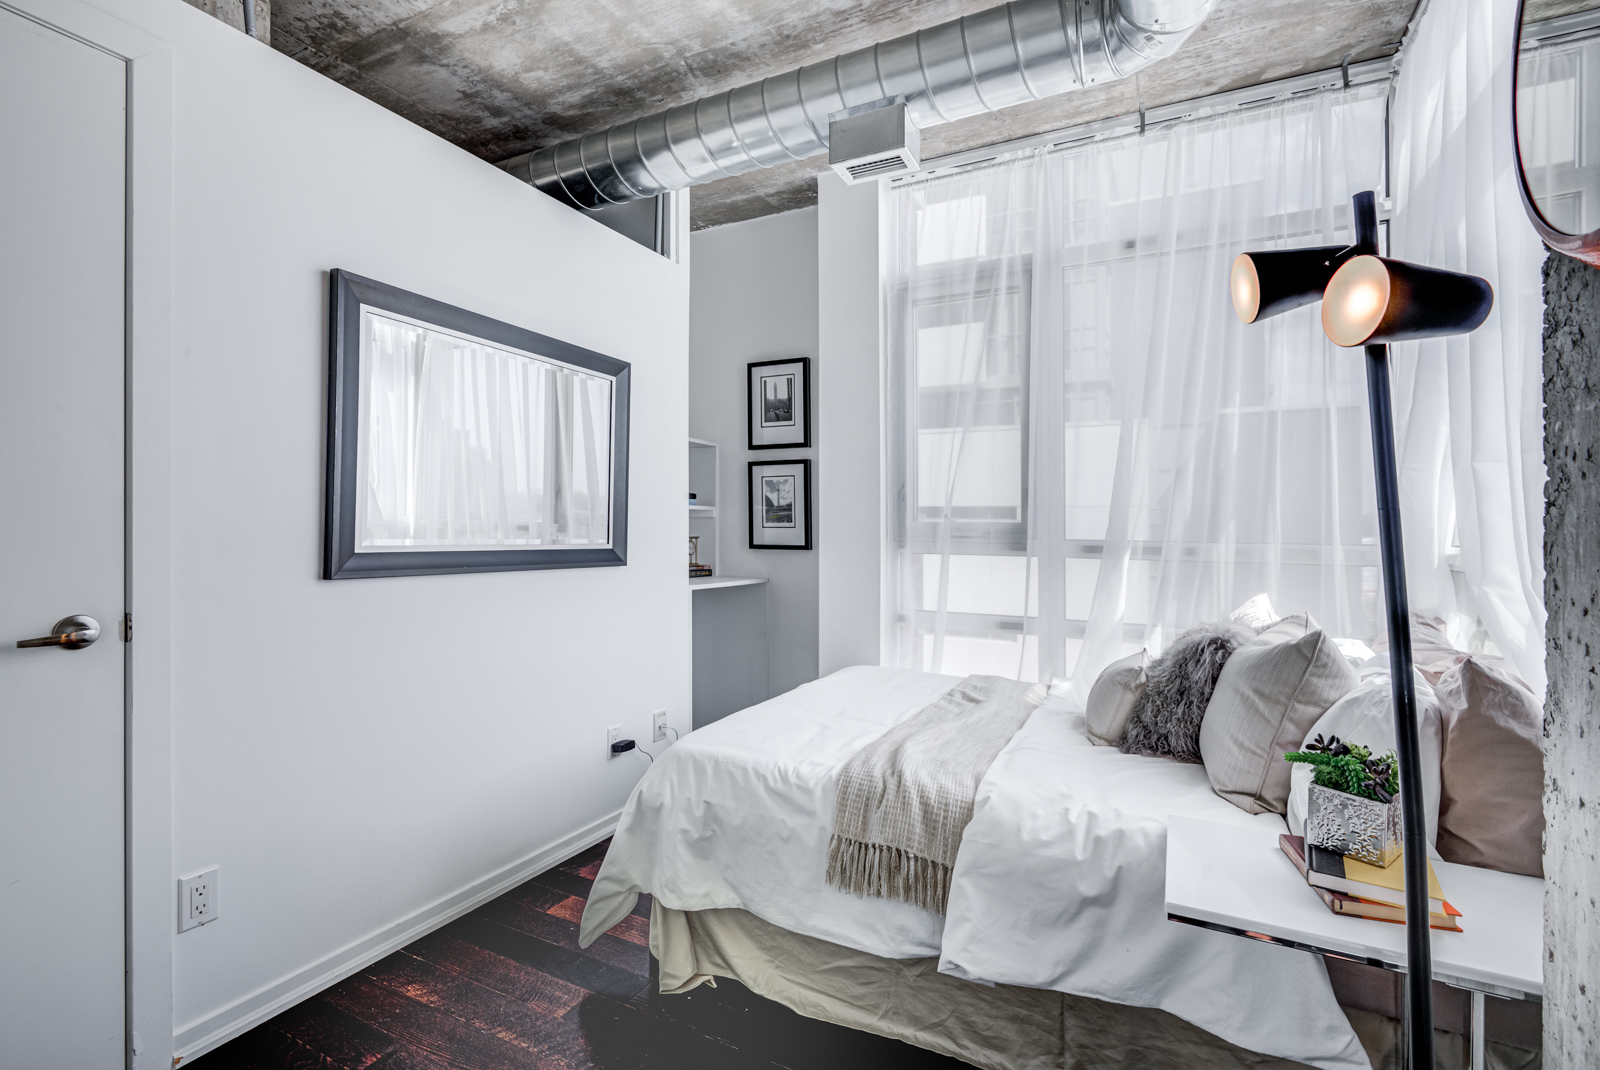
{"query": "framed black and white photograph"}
(460, 443)
(780, 505)
(780, 404)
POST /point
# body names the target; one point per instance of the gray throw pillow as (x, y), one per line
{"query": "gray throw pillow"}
(1112, 699)
(1166, 719)
(1491, 809)
(1270, 693)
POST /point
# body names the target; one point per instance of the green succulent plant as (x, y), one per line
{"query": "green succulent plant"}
(1350, 768)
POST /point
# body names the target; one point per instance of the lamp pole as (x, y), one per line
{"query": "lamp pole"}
(1414, 830)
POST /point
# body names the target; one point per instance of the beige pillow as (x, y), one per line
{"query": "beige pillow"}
(1270, 693)
(1112, 699)
(1491, 775)
(1432, 653)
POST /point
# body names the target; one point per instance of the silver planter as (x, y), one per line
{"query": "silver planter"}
(1361, 828)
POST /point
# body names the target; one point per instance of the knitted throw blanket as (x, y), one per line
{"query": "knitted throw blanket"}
(905, 799)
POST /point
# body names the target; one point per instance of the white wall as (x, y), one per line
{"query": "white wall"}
(850, 508)
(754, 297)
(363, 757)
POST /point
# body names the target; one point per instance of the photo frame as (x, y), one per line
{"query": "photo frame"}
(779, 404)
(780, 505)
(457, 443)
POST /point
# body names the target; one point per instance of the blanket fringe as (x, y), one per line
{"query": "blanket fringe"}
(879, 871)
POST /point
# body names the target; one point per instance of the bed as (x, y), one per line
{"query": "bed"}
(1056, 898)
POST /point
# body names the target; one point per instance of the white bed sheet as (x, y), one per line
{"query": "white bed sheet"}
(1061, 881)
(739, 814)
(1059, 884)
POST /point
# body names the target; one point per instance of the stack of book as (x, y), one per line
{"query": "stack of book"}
(1355, 888)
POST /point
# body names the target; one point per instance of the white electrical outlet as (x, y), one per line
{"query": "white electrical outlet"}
(613, 734)
(198, 902)
(658, 721)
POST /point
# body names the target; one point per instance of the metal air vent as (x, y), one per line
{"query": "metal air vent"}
(872, 140)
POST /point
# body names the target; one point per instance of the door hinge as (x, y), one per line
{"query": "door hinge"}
(127, 627)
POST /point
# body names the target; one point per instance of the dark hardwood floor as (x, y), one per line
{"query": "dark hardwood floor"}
(507, 988)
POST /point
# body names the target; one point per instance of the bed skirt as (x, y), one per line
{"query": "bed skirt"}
(999, 1027)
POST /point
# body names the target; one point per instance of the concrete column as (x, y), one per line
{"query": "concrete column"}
(1572, 645)
(848, 392)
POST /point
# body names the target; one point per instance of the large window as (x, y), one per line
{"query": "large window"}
(1087, 451)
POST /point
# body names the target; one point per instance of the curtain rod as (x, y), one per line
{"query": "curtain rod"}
(1368, 72)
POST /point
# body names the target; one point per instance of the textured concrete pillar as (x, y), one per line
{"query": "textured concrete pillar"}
(232, 12)
(1572, 636)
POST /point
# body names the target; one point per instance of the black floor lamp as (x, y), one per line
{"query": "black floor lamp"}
(1368, 300)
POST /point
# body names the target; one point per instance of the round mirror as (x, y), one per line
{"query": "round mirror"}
(1557, 118)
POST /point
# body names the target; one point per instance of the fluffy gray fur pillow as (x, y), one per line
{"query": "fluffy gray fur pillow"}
(1177, 689)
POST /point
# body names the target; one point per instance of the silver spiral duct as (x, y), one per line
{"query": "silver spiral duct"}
(1025, 50)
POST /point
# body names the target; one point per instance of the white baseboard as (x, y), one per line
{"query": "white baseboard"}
(201, 1036)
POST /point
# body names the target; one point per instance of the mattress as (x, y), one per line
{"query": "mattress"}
(1059, 883)
(739, 813)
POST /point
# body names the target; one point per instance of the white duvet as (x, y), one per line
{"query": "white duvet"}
(1059, 883)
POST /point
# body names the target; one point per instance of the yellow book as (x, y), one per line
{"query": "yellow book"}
(1341, 873)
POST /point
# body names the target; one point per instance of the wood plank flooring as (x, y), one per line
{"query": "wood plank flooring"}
(507, 988)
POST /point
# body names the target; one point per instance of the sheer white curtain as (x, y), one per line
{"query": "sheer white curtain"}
(1088, 452)
(1469, 410)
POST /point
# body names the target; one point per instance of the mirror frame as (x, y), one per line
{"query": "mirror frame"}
(1585, 247)
(350, 294)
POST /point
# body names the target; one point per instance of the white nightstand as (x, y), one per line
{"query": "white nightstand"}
(1236, 879)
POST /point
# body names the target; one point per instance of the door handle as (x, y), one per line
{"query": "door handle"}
(70, 633)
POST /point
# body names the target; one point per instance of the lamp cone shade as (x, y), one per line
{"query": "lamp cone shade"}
(1265, 284)
(1372, 299)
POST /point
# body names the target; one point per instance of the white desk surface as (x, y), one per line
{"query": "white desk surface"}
(706, 583)
(1238, 878)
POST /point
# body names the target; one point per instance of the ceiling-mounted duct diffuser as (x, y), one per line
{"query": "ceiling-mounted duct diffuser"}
(873, 140)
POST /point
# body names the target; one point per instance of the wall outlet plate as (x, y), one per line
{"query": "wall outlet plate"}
(613, 734)
(198, 901)
(658, 725)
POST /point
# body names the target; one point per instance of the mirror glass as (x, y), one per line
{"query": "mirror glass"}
(467, 445)
(1558, 111)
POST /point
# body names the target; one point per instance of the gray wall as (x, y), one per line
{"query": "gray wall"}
(1572, 635)
(753, 296)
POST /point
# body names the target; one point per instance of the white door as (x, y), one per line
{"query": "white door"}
(62, 161)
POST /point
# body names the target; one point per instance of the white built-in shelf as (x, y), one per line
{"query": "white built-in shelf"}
(701, 583)
(703, 480)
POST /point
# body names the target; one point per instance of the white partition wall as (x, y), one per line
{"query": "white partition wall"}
(416, 742)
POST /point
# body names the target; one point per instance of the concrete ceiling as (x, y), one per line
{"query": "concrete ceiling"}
(499, 77)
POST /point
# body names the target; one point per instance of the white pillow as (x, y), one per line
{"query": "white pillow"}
(1257, 613)
(1112, 699)
(1355, 651)
(1366, 716)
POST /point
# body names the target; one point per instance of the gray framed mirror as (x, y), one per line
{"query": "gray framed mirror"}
(459, 443)
(1556, 121)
